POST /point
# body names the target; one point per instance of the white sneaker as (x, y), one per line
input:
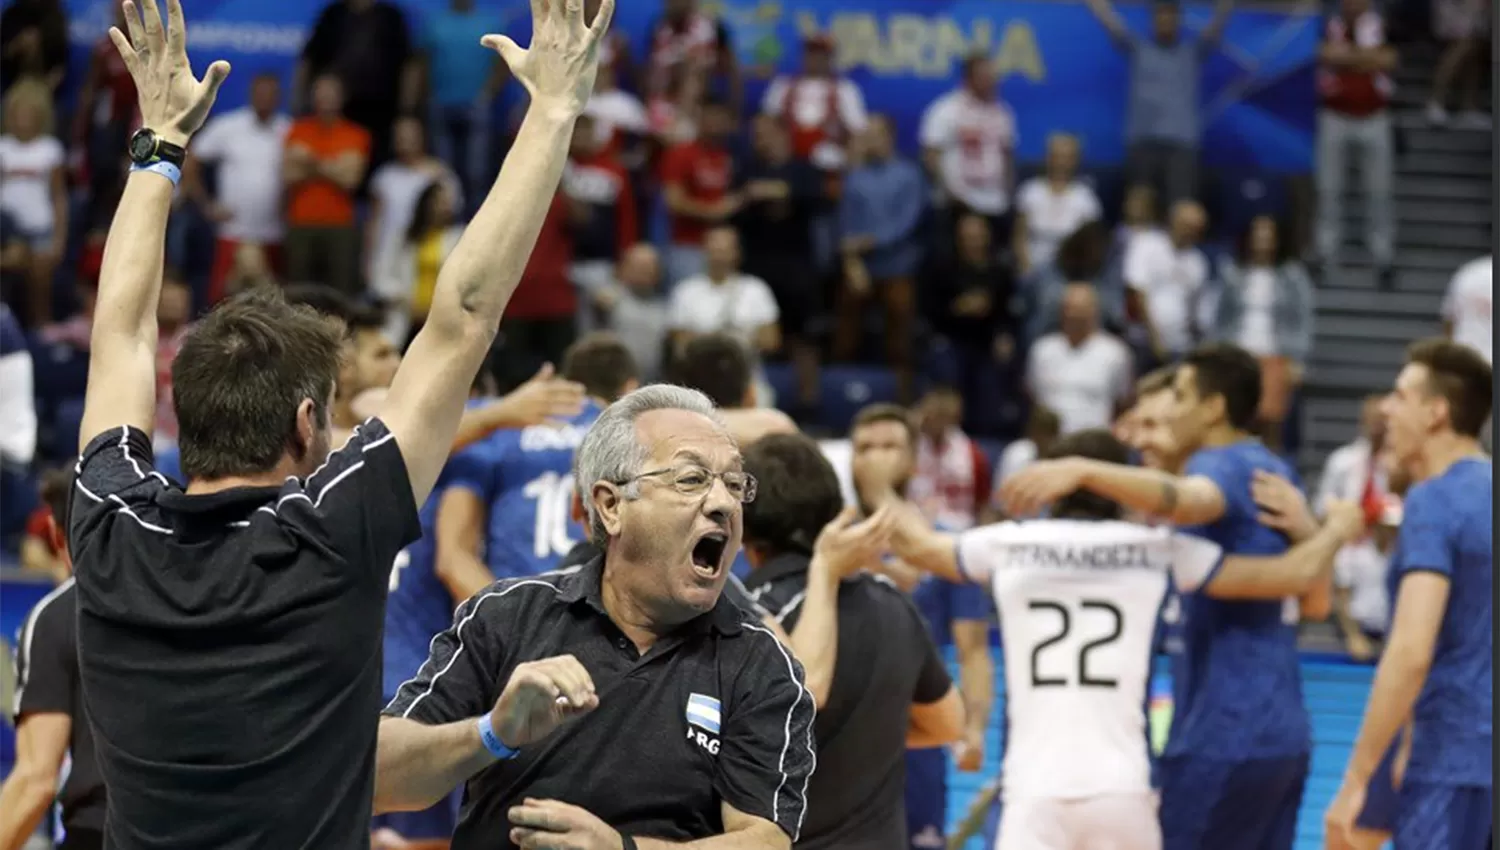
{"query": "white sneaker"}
(1436, 114)
(1473, 119)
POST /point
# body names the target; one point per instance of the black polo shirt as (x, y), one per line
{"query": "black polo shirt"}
(47, 683)
(886, 661)
(716, 713)
(229, 644)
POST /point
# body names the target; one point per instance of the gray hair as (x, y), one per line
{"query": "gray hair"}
(610, 451)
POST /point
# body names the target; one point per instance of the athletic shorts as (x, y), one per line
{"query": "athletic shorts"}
(1117, 821)
(1443, 817)
(927, 798)
(426, 825)
(1381, 796)
(1230, 805)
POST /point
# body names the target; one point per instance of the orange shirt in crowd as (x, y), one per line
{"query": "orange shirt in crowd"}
(320, 202)
(704, 173)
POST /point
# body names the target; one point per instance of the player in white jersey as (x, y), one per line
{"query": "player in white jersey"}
(1079, 596)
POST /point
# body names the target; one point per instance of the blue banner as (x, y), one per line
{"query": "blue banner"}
(1059, 68)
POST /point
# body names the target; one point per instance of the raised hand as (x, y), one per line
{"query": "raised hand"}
(173, 102)
(558, 68)
(539, 697)
(848, 544)
(544, 397)
(1282, 506)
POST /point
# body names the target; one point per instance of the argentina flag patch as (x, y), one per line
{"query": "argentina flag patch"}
(703, 712)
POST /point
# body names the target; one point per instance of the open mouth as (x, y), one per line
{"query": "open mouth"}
(708, 553)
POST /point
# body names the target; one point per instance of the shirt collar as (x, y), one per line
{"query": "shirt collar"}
(235, 500)
(779, 567)
(584, 587)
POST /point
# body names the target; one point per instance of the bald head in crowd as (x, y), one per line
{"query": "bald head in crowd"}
(1188, 222)
(1080, 311)
(640, 267)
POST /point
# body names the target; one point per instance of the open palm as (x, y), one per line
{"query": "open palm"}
(173, 102)
(560, 65)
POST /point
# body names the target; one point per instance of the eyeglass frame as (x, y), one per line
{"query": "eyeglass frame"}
(751, 484)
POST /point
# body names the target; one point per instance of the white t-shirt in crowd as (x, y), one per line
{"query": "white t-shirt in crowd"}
(1052, 216)
(248, 154)
(1016, 457)
(975, 138)
(1081, 385)
(398, 186)
(1078, 603)
(616, 110)
(840, 455)
(1359, 567)
(1258, 324)
(1470, 305)
(1171, 280)
(26, 181)
(740, 305)
(814, 96)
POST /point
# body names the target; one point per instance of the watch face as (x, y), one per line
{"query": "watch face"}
(142, 145)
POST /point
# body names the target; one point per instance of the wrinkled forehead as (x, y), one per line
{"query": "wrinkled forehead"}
(673, 437)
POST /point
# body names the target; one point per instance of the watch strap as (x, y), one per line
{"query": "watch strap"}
(168, 152)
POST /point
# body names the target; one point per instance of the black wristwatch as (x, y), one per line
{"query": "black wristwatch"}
(146, 147)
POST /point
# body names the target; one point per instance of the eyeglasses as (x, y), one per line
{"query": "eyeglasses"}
(695, 481)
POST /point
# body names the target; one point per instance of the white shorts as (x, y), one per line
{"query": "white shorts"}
(1106, 822)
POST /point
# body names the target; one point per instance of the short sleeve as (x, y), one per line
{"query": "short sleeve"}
(767, 756)
(1193, 561)
(936, 130)
(459, 679)
(359, 501)
(1137, 263)
(56, 156)
(680, 308)
(979, 551)
(1425, 540)
(933, 681)
(115, 480)
(45, 659)
(296, 134)
(472, 469)
(1089, 208)
(1219, 468)
(761, 308)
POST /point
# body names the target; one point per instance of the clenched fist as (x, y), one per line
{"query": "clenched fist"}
(539, 697)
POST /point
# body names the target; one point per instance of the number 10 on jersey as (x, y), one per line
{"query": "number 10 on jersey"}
(553, 494)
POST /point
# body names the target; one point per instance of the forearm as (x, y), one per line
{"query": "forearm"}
(1292, 573)
(463, 574)
(416, 765)
(931, 552)
(130, 276)
(976, 679)
(1149, 491)
(479, 276)
(24, 799)
(815, 640)
(1398, 682)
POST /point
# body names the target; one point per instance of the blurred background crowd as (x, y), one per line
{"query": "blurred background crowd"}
(1007, 211)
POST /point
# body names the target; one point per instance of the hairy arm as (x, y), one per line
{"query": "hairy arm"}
(461, 517)
(427, 396)
(1298, 571)
(41, 744)
(416, 765)
(122, 346)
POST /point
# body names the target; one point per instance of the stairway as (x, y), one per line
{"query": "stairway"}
(1444, 218)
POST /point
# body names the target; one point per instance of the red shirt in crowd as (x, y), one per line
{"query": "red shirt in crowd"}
(545, 291)
(704, 173)
(1357, 94)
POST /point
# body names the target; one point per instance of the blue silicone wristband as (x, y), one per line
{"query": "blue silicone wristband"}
(165, 169)
(492, 741)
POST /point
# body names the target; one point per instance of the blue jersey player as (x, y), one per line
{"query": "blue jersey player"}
(516, 518)
(883, 443)
(1437, 666)
(1236, 758)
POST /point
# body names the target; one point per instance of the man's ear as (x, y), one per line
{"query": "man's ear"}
(307, 429)
(608, 502)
